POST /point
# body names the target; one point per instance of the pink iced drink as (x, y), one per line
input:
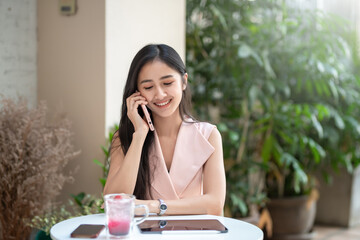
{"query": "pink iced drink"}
(119, 227)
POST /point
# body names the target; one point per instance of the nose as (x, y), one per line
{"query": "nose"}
(160, 93)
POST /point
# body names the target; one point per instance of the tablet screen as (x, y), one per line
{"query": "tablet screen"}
(162, 226)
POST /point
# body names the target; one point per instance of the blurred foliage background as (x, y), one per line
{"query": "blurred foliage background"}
(282, 84)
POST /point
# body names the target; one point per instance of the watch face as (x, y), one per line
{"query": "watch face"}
(162, 223)
(163, 207)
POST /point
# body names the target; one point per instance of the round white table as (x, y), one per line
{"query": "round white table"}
(237, 229)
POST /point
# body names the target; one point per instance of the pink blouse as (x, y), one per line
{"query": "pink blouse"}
(192, 150)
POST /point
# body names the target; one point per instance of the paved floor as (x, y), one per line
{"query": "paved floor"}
(336, 233)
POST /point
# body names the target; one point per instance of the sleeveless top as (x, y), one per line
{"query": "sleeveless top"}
(184, 179)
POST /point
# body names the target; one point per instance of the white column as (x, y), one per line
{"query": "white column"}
(130, 25)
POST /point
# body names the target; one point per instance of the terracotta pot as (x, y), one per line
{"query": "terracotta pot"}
(292, 216)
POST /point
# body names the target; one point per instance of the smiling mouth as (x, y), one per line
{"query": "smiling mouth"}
(163, 103)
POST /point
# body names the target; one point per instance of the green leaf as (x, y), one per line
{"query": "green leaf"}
(317, 149)
(348, 164)
(355, 124)
(320, 66)
(299, 84)
(91, 203)
(102, 181)
(338, 120)
(78, 198)
(267, 149)
(345, 46)
(234, 136)
(111, 135)
(263, 120)
(222, 127)
(239, 203)
(271, 88)
(285, 137)
(244, 51)
(219, 15)
(105, 150)
(309, 87)
(332, 71)
(317, 126)
(287, 159)
(318, 87)
(97, 162)
(334, 90)
(257, 58)
(323, 111)
(287, 91)
(268, 69)
(253, 94)
(300, 177)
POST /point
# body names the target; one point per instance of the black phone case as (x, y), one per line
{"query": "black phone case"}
(87, 231)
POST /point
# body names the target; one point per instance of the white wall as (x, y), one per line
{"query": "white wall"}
(83, 62)
(18, 75)
(71, 77)
(130, 25)
(45, 56)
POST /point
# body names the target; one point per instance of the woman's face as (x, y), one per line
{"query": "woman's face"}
(162, 87)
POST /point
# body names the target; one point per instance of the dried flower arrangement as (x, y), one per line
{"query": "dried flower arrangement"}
(33, 154)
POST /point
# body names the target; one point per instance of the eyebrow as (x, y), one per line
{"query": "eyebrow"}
(162, 78)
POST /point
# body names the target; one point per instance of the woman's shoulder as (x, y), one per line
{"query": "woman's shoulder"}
(205, 128)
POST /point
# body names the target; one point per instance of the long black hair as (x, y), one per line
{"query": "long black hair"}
(170, 57)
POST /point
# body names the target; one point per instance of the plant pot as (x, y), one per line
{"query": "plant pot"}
(300, 236)
(342, 197)
(41, 235)
(293, 218)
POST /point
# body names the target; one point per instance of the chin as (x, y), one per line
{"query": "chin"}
(167, 113)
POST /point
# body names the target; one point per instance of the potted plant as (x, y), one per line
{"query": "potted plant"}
(315, 124)
(282, 81)
(214, 70)
(33, 153)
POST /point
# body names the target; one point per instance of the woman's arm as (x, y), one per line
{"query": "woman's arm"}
(124, 169)
(213, 198)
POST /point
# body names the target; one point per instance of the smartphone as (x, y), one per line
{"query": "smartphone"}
(147, 116)
(183, 226)
(87, 231)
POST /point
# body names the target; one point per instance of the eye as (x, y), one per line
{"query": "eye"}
(147, 88)
(168, 83)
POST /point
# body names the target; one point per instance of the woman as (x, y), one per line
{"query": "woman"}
(178, 168)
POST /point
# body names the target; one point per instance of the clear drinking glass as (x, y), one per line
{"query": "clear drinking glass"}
(119, 211)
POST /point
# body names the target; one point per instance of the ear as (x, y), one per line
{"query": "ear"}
(185, 81)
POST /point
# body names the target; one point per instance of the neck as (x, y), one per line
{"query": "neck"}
(168, 126)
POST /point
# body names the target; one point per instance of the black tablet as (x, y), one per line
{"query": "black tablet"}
(182, 226)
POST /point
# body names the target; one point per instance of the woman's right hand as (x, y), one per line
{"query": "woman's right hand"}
(133, 102)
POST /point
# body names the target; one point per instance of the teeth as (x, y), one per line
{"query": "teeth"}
(162, 104)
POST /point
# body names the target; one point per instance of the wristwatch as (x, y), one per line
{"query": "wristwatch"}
(162, 223)
(162, 207)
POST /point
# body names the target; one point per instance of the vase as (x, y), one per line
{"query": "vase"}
(292, 217)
